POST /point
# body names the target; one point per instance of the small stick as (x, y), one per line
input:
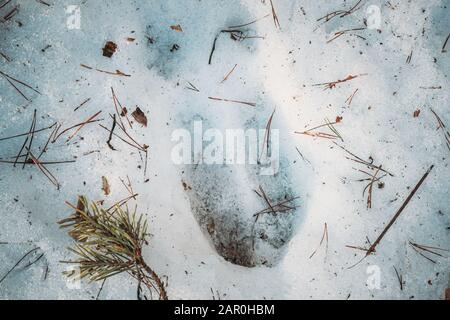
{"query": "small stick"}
(395, 217)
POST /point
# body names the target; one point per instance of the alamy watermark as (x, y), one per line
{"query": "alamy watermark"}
(73, 21)
(259, 147)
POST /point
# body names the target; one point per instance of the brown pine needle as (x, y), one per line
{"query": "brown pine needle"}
(129, 139)
(350, 99)
(116, 73)
(252, 104)
(324, 135)
(333, 84)
(12, 80)
(370, 187)
(228, 74)
(79, 126)
(275, 17)
(324, 237)
(443, 129)
(341, 13)
(27, 133)
(266, 141)
(282, 206)
(343, 32)
(44, 170)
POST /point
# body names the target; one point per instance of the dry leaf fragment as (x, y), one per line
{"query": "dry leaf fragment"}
(131, 39)
(109, 49)
(139, 116)
(124, 112)
(176, 28)
(105, 186)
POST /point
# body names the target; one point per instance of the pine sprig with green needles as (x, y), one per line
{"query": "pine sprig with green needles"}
(109, 242)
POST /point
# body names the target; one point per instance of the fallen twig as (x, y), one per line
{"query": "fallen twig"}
(395, 217)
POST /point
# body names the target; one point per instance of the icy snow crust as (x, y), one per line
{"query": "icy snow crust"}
(277, 73)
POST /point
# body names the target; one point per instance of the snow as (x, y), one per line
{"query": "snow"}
(278, 73)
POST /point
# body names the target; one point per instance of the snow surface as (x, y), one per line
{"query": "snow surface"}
(277, 72)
